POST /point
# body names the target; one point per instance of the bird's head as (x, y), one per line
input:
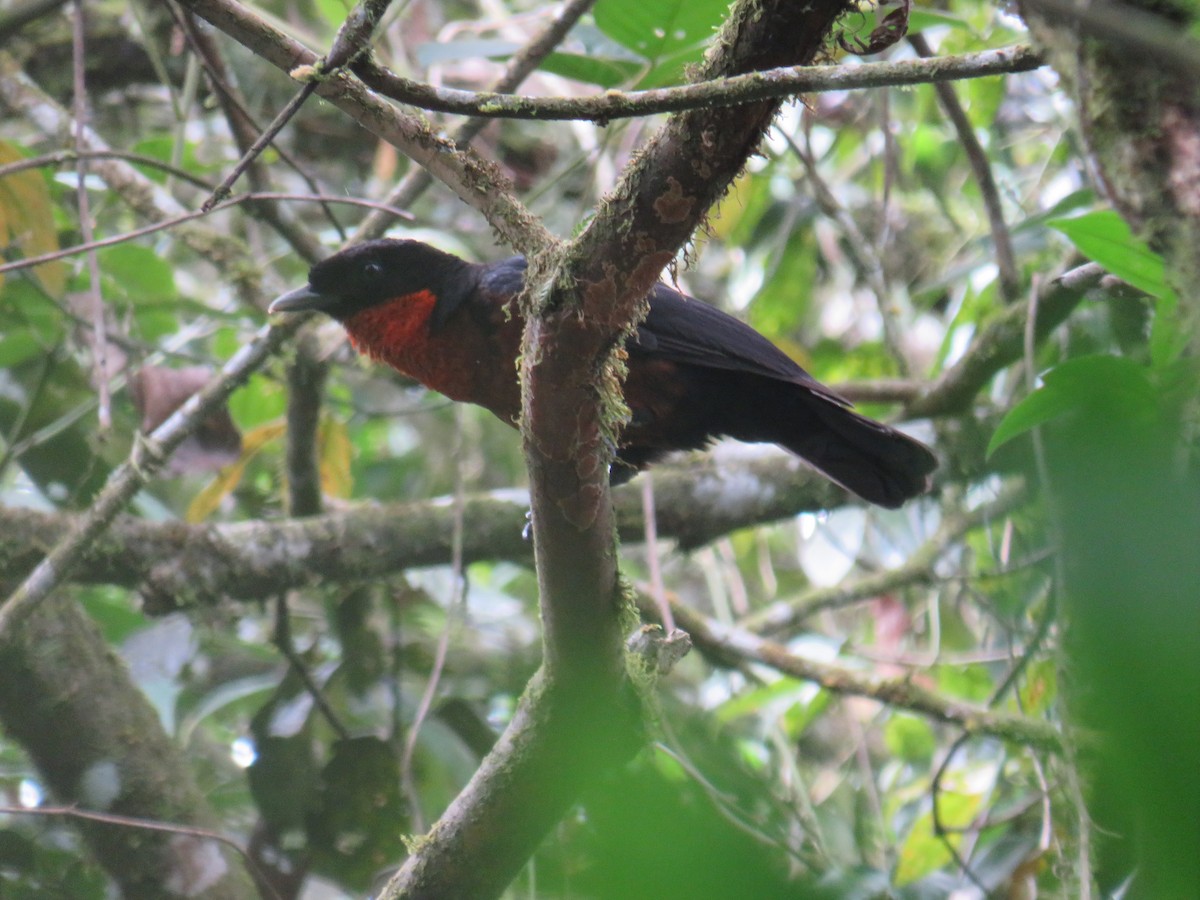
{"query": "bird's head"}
(376, 272)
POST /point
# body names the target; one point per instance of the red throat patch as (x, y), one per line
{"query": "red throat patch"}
(392, 330)
(396, 332)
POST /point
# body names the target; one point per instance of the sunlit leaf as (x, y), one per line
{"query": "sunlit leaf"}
(335, 453)
(205, 503)
(754, 701)
(141, 274)
(1112, 381)
(1105, 238)
(30, 323)
(909, 738)
(669, 33)
(26, 220)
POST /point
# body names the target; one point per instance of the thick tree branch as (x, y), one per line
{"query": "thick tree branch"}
(1143, 36)
(581, 302)
(99, 744)
(771, 84)
(178, 566)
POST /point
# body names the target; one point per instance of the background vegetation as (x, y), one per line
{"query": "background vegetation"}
(276, 668)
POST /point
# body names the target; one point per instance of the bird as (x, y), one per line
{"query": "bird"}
(695, 373)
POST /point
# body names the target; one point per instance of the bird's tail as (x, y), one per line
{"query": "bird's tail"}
(872, 460)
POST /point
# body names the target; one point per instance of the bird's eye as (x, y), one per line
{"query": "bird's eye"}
(372, 270)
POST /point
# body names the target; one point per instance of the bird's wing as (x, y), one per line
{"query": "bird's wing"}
(503, 278)
(685, 330)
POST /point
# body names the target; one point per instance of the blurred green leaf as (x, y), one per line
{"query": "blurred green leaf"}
(784, 299)
(668, 33)
(970, 682)
(921, 19)
(909, 738)
(30, 323)
(607, 73)
(26, 222)
(262, 400)
(1111, 381)
(752, 702)
(1104, 238)
(141, 274)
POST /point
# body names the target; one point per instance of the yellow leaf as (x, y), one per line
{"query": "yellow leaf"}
(27, 220)
(923, 851)
(334, 455)
(205, 503)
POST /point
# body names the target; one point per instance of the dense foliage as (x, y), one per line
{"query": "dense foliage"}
(883, 703)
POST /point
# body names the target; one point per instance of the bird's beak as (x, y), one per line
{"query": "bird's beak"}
(299, 300)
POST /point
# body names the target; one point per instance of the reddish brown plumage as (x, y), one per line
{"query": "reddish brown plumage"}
(397, 332)
(695, 373)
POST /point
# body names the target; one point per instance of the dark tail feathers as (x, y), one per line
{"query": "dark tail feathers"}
(878, 463)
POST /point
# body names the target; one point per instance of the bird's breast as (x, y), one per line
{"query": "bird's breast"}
(457, 360)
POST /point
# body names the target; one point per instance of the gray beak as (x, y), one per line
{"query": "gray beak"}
(299, 300)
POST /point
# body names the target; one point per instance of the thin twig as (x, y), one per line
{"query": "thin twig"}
(277, 124)
(164, 224)
(63, 157)
(653, 562)
(351, 41)
(519, 67)
(244, 128)
(917, 569)
(868, 264)
(769, 84)
(141, 194)
(733, 643)
(1006, 259)
(148, 457)
(1001, 342)
(95, 294)
(1009, 681)
(455, 611)
(104, 818)
(283, 641)
(471, 178)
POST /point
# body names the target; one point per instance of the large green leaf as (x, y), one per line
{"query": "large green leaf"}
(607, 72)
(1116, 382)
(138, 272)
(668, 33)
(1103, 237)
